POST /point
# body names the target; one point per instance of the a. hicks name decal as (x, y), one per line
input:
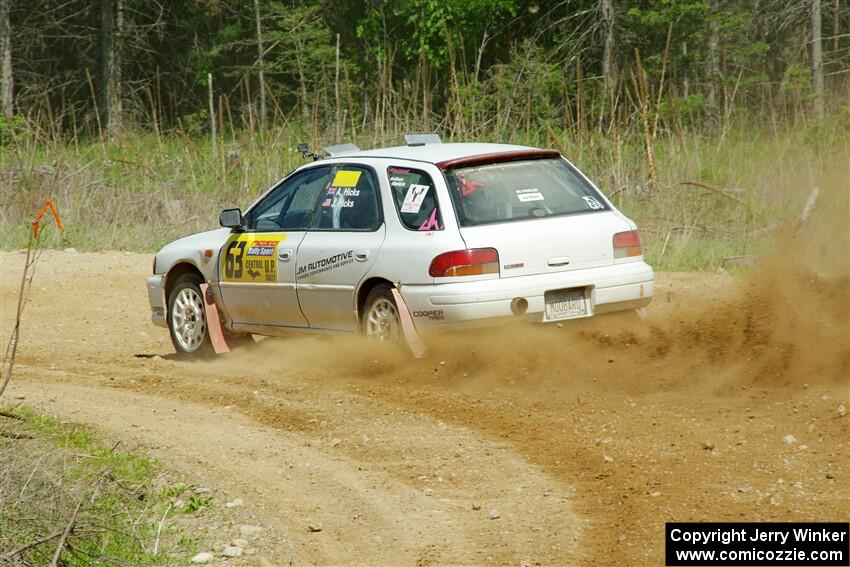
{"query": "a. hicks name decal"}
(251, 258)
(342, 192)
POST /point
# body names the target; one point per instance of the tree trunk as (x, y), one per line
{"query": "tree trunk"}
(835, 21)
(260, 65)
(302, 85)
(713, 70)
(111, 41)
(336, 94)
(608, 68)
(426, 93)
(817, 58)
(212, 115)
(7, 100)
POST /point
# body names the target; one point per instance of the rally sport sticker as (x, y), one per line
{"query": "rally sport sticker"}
(250, 258)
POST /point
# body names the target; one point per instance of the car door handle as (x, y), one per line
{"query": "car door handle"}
(284, 255)
(559, 261)
(361, 255)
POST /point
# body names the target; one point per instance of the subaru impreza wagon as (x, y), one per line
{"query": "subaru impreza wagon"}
(400, 240)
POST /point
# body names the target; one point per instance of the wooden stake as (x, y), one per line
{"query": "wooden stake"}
(260, 65)
(336, 91)
(350, 104)
(212, 115)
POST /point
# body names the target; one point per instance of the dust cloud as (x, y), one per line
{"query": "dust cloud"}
(783, 322)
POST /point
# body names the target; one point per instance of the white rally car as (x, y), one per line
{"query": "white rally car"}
(406, 239)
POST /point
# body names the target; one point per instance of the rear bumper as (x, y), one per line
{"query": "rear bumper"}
(617, 287)
(156, 298)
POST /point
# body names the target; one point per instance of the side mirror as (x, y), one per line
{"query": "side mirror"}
(231, 218)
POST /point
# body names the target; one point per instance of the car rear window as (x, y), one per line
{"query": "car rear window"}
(520, 190)
(415, 198)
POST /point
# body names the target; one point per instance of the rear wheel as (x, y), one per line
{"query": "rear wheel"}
(381, 321)
(187, 319)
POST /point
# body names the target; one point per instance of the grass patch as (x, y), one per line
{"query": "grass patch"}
(54, 474)
(145, 190)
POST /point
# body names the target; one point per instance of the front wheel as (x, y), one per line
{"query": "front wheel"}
(187, 318)
(381, 321)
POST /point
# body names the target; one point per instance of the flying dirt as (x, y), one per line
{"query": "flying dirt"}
(568, 444)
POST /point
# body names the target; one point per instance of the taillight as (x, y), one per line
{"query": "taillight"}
(475, 262)
(627, 244)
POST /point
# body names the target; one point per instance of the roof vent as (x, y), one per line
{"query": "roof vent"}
(340, 149)
(421, 139)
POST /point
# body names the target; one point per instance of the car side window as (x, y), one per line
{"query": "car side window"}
(350, 201)
(290, 205)
(415, 198)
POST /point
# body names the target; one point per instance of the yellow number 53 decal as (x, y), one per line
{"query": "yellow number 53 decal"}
(250, 258)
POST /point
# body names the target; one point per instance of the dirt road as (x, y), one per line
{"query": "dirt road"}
(583, 440)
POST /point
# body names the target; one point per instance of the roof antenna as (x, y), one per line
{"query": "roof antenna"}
(304, 150)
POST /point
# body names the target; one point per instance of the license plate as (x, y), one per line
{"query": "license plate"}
(565, 304)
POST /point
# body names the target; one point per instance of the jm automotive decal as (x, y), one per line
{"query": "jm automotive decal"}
(311, 269)
(251, 258)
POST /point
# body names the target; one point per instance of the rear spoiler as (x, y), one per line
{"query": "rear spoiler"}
(497, 157)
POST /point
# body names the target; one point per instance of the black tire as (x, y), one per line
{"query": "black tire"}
(380, 306)
(192, 338)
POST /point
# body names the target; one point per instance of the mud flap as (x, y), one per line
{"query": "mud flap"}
(407, 327)
(213, 322)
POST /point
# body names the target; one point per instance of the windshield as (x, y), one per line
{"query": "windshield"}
(520, 190)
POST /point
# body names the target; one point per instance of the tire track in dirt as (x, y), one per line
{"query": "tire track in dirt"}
(367, 516)
(389, 485)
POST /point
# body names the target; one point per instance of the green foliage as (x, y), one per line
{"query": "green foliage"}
(797, 78)
(690, 110)
(401, 53)
(303, 57)
(661, 14)
(196, 123)
(11, 127)
(196, 503)
(693, 254)
(419, 27)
